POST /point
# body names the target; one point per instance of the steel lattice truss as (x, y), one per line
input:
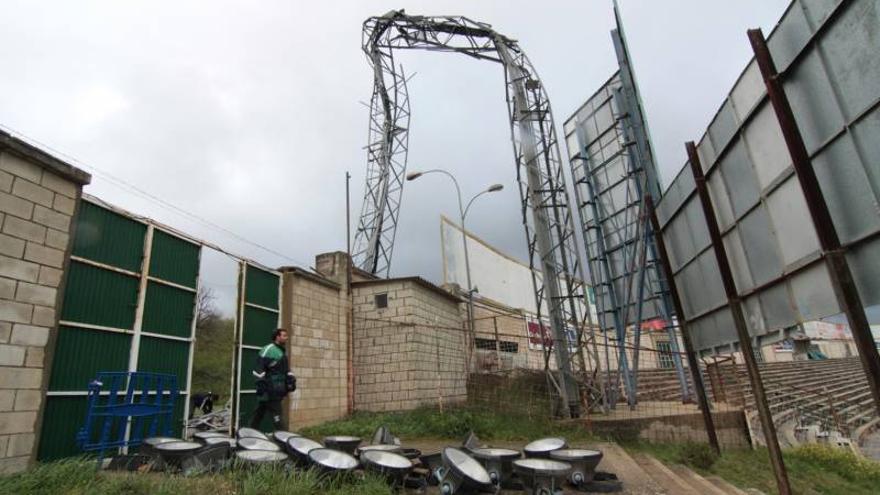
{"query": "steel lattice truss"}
(613, 170)
(546, 211)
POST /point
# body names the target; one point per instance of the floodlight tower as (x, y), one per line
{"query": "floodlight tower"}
(554, 256)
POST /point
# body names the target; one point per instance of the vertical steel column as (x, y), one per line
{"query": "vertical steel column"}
(238, 333)
(699, 387)
(640, 137)
(192, 346)
(835, 256)
(553, 265)
(134, 353)
(609, 289)
(742, 331)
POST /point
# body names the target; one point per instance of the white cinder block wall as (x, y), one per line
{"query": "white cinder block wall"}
(38, 197)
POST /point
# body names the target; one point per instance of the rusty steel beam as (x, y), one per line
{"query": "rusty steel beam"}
(694, 364)
(742, 331)
(842, 281)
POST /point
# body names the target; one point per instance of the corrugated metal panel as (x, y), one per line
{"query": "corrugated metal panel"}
(248, 363)
(258, 326)
(248, 408)
(159, 355)
(63, 416)
(174, 259)
(99, 297)
(262, 288)
(143, 428)
(109, 238)
(168, 310)
(80, 353)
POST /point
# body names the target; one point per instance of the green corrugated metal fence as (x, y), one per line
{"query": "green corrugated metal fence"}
(258, 316)
(114, 317)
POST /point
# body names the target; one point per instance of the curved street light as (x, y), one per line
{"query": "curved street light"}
(463, 211)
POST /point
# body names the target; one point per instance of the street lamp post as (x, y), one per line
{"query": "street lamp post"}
(462, 211)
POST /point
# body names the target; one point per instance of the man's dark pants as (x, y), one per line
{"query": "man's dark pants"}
(273, 407)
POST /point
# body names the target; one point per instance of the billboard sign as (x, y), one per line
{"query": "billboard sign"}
(829, 64)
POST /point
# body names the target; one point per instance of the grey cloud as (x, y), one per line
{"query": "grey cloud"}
(249, 114)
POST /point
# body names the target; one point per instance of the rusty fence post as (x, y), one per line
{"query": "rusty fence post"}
(742, 331)
(835, 255)
(694, 364)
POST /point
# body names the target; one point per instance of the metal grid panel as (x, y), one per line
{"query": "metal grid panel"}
(831, 74)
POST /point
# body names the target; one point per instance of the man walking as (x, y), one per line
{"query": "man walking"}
(274, 379)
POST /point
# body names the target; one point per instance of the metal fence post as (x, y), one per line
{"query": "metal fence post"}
(835, 255)
(742, 331)
(702, 400)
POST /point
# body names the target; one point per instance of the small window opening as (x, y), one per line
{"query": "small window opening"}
(381, 301)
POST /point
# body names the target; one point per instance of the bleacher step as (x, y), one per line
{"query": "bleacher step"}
(664, 477)
(634, 477)
(725, 485)
(700, 484)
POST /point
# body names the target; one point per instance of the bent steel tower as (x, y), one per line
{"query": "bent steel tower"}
(557, 273)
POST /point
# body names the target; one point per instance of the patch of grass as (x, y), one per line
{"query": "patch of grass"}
(79, 477)
(452, 423)
(842, 462)
(812, 469)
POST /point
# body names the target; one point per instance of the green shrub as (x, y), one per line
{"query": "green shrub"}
(843, 462)
(698, 455)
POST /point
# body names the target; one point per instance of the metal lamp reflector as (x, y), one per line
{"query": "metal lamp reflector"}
(148, 446)
(281, 437)
(461, 472)
(583, 463)
(397, 449)
(498, 463)
(201, 436)
(251, 433)
(261, 456)
(218, 440)
(542, 448)
(541, 476)
(173, 453)
(383, 436)
(330, 460)
(394, 467)
(299, 448)
(345, 444)
(249, 443)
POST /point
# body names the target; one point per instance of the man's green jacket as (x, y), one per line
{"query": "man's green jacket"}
(273, 374)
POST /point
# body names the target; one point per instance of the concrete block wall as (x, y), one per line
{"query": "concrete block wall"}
(314, 310)
(37, 204)
(412, 352)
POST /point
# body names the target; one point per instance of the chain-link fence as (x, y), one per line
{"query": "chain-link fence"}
(505, 366)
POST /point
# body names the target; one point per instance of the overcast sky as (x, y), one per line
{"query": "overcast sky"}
(248, 114)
